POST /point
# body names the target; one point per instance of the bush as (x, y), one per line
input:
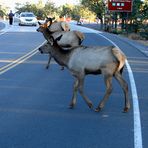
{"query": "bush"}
(134, 36)
(116, 31)
(144, 35)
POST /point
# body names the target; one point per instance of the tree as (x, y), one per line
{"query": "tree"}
(66, 10)
(135, 16)
(50, 9)
(76, 12)
(144, 10)
(39, 9)
(2, 13)
(26, 7)
(97, 6)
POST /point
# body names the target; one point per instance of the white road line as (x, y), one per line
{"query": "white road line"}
(136, 111)
(5, 29)
(3, 32)
(137, 121)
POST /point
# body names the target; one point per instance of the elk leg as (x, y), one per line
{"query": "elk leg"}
(108, 82)
(74, 96)
(48, 64)
(81, 84)
(124, 86)
(62, 67)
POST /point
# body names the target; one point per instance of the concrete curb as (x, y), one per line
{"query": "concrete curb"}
(139, 46)
(4, 25)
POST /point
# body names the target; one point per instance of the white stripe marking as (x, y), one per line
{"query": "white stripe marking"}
(136, 111)
(137, 121)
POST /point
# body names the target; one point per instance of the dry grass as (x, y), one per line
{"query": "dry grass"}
(134, 36)
(138, 38)
(144, 42)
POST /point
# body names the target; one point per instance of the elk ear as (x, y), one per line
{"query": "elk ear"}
(53, 18)
(80, 35)
(65, 26)
(48, 24)
(58, 38)
(48, 19)
(39, 23)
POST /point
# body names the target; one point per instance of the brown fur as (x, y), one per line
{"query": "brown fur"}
(80, 35)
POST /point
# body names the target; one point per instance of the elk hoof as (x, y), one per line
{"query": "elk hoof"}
(90, 105)
(47, 67)
(71, 106)
(125, 110)
(62, 68)
(98, 109)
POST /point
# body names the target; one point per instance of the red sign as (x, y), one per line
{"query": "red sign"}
(120, 5)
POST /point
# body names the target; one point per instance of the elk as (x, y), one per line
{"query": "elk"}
(69, 38)
(57, 26)
(82, 60)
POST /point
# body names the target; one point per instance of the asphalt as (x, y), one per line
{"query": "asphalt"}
(33, 102)
(141, 47)
(2, 25)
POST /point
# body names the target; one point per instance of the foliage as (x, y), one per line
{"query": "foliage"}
(66, 10)
(96, 6)
(50, 9)
(136, 10)
(144, 10)
(77, 12)
(139, 15)
(2, 13)
(39, 10)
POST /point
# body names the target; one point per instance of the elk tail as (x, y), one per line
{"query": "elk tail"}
(120, 57)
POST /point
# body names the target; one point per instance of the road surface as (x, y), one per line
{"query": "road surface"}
(34, 101)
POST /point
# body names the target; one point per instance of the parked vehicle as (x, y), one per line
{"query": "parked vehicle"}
(80, 21)
(27, 18)
(16, 18)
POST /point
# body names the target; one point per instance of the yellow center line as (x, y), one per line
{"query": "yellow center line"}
(19, 60)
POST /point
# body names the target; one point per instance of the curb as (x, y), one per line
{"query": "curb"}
(139, 46)
(2, 25)
(142, 48)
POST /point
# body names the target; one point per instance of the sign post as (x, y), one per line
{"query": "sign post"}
(120, 5)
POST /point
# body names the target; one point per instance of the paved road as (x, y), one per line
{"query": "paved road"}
(34, 101)
(2, 25)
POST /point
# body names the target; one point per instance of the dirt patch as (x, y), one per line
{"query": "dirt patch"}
(143, 42)
(138, 38)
